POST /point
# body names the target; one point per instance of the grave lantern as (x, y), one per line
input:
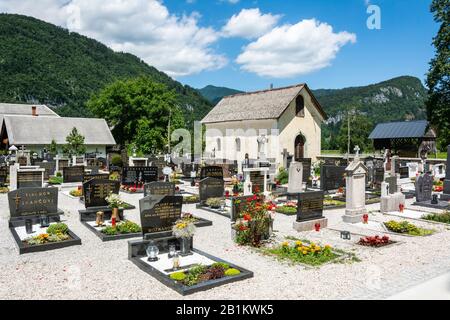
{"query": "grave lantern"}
(44, 221)
(152, 252)
(29, 226)
(346, 235)
(317, 227)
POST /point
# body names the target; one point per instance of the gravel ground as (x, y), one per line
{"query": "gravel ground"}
(97, 270)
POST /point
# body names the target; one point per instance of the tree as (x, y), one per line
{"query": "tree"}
(75, 144)
(53, 147)
(360, 129)
(438, 78)
(138, 110)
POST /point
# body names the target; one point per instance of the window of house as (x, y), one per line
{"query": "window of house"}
(219, 144)
(300, 106)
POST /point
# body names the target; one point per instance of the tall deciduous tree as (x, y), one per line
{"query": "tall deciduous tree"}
(75, 144)
(138, 110)
(438, 79)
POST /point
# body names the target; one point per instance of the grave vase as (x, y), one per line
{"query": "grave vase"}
(185, 247)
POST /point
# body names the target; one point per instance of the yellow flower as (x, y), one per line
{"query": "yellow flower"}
(327, 246)
(318, 248)
(298, 243)
(285, 244)
(305, 252)
(299, 249)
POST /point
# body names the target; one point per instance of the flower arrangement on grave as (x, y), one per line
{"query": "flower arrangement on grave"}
(76, 193)
(304, 252)
(200, 273)
(191, 199)
(214, 202)
(375, 241)
(114, 176)
(4, 190)
(282, 177)
(56, 232)
(254, 221)
(184, 229)
(115, 202)
(340, 190)
(123, 227)
(405, 227)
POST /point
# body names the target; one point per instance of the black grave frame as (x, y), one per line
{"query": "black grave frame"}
(136, 250)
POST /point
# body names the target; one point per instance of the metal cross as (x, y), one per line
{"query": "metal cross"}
(17, 200)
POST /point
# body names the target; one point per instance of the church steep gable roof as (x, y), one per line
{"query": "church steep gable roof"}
(259, 105)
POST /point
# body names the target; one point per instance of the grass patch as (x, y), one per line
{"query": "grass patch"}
(442, 217)
(331, 202)
(439, 155)
(55, 180)
(287, 210)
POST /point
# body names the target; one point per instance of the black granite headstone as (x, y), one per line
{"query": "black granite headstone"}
(332, 177)
(49, 166)
(404, 172)
(95, 192)
(446, 195)
(424, 187)
(100, 176)
(159, 188)
(3, 176)
(133, 175)
(33, 201)
(309, 205)
(211, 172)
(392, 181)
(73, 174)
(159, 213)
(211, 188)
(306, 170)
(29, 179)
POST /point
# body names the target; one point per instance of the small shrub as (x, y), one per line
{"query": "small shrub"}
(232, 272)
(223, 265)
(288, 210)
(116, 160)
(178, 276)
(438, 217)
(283, 176)
(406, 227)
(214, 202)
(58, 228)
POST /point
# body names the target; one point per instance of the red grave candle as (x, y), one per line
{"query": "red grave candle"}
(317, 227)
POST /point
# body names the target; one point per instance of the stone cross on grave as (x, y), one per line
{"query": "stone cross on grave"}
(356, 149)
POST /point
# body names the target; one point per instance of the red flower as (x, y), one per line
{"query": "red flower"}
(247, 217)
(242, 228)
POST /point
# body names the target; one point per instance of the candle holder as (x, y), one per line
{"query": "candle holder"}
(29, 226)
(44, 221)
(172, 251)
(176, 261)
(365, 218)
(346, 235)
(317, 227)
(152, 252)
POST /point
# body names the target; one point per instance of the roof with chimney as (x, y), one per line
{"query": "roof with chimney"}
(41, 130)
(259, 105)
(25, 109)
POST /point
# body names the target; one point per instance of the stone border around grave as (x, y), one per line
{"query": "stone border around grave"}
(105, 237)
(130, 206)
(75, 240)
(138, 191)
(180, 288)
(355, 244)
(401, 234)
(418, 219)
(216, 211)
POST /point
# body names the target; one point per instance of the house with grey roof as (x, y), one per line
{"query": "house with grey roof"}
(277, 123)
(36, 126)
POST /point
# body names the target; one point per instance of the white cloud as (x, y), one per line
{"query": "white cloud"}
(292, 50)
(174, 44)
(249, 23)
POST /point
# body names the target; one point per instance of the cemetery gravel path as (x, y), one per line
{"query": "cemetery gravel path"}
(101, 270)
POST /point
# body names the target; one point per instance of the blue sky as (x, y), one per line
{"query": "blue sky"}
(248, 45)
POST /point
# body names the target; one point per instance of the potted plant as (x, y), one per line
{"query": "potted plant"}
(184, 229)
(214, 202)
(114, 202)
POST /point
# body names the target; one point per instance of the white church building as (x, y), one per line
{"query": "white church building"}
(274, 124)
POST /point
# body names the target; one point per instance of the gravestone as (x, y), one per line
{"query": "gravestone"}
(95, 191)
(404, 172)
(100, 176)
(378, 177)
(30, 178)
(211, 172)
(310, 211)
(73, 174)
(257, 179)
(424, 187)
(187, 168)
(3, 176)
(295, 177)
(48, 166)
(159, 212)
(61, 163)
(355, 195)
(306, 170)
(211, 188)
(33, 201)
(446, 192)
(22, 160)
(332, 177)
(159, 188)
(392, 182)
(159, 163)
(136, 175)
